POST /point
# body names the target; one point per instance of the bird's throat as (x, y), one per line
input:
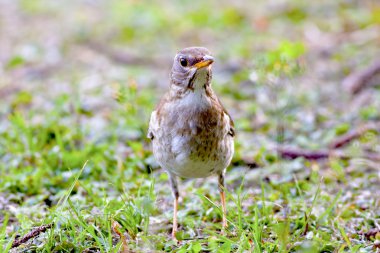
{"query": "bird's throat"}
(200, 80)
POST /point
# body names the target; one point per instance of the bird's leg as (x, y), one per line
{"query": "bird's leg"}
(174, 186)
(222, 198)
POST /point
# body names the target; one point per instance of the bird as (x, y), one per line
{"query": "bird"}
(191, 132)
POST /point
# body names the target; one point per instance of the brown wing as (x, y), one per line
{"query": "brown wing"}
(232, 125)
(154, 117)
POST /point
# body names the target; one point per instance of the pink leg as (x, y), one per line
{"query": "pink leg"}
(175, 223)
(174, 185)
(223, 199)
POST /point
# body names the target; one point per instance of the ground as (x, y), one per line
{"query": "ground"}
(79, 79)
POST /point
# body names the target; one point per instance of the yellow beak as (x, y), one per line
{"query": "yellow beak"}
(206, 61)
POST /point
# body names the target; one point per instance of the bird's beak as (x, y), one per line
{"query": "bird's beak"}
(206, 61)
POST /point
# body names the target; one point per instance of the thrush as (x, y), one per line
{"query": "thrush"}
(192, 133)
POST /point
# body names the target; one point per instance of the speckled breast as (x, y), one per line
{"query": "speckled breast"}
(195, 146)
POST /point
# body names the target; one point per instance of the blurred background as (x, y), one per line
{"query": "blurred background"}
(79, 79)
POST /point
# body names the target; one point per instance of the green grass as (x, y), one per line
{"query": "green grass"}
(73, 151)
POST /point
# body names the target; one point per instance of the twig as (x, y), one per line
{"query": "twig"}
(124, 58)
(293, 153)
(358, 80)
(373, 156)
(333, 149)
(370, 233)
(35, 232)
(8, 90)
(351, 135)
(116, 228)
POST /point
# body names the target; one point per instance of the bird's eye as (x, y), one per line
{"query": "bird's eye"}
(183, 62)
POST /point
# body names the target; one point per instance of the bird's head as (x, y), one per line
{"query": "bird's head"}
(192, 69)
